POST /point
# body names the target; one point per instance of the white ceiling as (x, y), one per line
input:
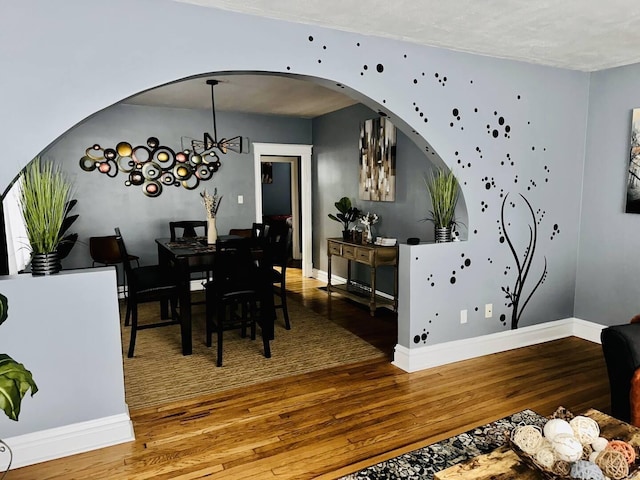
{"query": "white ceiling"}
(585, 35)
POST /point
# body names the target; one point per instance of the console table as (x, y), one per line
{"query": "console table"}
(369, 254)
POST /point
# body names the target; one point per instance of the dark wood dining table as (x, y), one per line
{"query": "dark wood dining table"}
(195, 255)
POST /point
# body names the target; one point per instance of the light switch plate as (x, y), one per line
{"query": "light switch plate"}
(240, 199)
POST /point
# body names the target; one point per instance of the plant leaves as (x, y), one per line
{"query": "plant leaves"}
(4, 308)
(15, 382)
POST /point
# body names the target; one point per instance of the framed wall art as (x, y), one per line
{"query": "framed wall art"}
(378, 160)
(633, 180)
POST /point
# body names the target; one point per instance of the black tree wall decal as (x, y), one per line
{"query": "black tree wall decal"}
(515, 295)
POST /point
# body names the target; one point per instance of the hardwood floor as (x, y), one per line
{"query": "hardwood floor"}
(330, 423)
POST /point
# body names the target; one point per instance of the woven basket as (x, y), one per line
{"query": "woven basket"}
(547, 473)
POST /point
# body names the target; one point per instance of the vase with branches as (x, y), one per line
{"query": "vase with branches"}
(443, 191)
(211, 204)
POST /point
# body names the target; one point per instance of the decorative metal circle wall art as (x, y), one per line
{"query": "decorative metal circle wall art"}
(152, 166)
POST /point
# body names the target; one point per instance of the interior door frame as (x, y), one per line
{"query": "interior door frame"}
(304, 153)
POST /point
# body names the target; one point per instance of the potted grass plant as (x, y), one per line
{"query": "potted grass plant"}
(45, 203)
(443, 190)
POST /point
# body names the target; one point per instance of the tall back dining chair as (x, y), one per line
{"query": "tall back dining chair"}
(235, 296)
(279, 242)
(149, 283)
(259, 230)
(187, 229)
(105, 251)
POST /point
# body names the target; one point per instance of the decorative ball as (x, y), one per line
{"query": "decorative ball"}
(593, 456)
(585, 429)
(556, 426)
(528, 438)
(567, 447)
(545, 456)
(561, 468)
(613, 464)
(586, 451)
(599, 444)
(584, 470)
(624, 448)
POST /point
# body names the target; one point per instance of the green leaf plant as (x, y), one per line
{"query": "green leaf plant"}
(443, 190)
(15, 379)
(347, 213)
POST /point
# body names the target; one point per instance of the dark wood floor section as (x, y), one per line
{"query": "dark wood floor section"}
(330, 423)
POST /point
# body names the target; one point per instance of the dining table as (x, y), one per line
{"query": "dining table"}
(189, 255)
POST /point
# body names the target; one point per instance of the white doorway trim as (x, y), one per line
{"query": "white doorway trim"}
(289, 150)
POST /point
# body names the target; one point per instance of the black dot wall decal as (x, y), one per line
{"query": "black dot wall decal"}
(310, 38)
(556, 231)
(453, 280)
(501, 240)
(416, 339)
(358, 44)
(467, 262)
(324, 47)
(476, 309)
(503, 319)
(288, 67)
(366, 67)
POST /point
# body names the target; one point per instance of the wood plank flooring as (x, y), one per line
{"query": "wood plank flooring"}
(327, 424)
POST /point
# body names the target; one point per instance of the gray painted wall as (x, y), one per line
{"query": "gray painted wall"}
(607, 273)
(104, 203)
(276, 196)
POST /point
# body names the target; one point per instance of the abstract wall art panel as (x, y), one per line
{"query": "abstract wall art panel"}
(633, 182)
(378, 160)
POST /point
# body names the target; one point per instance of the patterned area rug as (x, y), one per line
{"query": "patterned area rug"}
(423, 463)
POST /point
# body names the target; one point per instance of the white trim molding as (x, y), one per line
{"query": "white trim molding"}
(420, 358)
(68, 440)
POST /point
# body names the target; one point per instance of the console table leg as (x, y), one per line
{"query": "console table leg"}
(372, 299)
(329, 274)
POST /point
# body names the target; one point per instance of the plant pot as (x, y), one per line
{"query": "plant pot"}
(443, 234)
(346, 235)
(212, 230)
(45, 263)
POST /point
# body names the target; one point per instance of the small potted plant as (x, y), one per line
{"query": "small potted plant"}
(347, 215)
(443, 190)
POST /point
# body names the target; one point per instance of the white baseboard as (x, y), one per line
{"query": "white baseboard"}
(70, 439)
(420, 358)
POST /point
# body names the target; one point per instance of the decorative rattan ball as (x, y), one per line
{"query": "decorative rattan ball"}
(624, 448)
(545, 456)
(585, 470)
(585, 429)
(561, 468)
(599, 444)
(567, 447)
(586, 451)
(613, 464)
(593, 456)
(528, 438)
(556, 426)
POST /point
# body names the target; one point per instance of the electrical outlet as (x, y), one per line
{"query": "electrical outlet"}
(240, 199)
(463, 316)
(488, 310)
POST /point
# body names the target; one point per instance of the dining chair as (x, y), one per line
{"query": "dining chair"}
(105, 251)
(279, 242)
(240, 232)
(149, 283)
(188, 227)
(235, 297)
(259, 230)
